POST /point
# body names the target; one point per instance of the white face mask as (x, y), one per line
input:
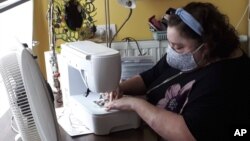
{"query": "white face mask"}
(183, 62)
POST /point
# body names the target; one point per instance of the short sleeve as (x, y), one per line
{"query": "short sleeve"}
(152, 74)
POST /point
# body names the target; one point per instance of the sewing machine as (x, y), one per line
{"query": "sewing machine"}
(88, 69)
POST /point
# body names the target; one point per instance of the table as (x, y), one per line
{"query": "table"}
(143, 133)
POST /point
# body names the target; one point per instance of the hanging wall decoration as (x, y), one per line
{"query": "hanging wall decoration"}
(68, 20)
(74, 19)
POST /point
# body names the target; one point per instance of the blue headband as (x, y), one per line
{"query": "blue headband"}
(189, 20)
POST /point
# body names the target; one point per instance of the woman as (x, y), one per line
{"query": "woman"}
(198, 90)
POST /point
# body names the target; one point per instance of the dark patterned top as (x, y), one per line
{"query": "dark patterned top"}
(212, 100)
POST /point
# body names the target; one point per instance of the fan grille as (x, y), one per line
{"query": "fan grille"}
(19, 104)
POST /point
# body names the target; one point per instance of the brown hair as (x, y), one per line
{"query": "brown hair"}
(218, 33)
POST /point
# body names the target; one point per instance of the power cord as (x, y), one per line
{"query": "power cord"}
(243, 15)
(129, 39)
(12, 126)
(18, 135)
(130, 13)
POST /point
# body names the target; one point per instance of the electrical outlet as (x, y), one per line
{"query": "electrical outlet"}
(101, 31)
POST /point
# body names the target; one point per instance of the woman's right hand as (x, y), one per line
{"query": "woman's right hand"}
(115, 94)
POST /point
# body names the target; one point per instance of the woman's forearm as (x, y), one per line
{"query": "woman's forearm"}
(168, 125)
(133, 86)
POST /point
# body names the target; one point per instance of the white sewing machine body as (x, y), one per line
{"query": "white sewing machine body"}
(84, 64)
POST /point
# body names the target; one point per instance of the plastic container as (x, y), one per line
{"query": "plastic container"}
(160, 35)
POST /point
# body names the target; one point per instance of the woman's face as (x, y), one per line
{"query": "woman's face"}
(179, 43)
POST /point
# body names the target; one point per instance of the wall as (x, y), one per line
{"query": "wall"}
(41, 31)
(137, 26)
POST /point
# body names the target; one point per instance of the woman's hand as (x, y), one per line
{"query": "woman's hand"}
(123, 103)
(115, 94)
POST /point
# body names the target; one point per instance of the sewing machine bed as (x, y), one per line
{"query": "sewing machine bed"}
(97, 119)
